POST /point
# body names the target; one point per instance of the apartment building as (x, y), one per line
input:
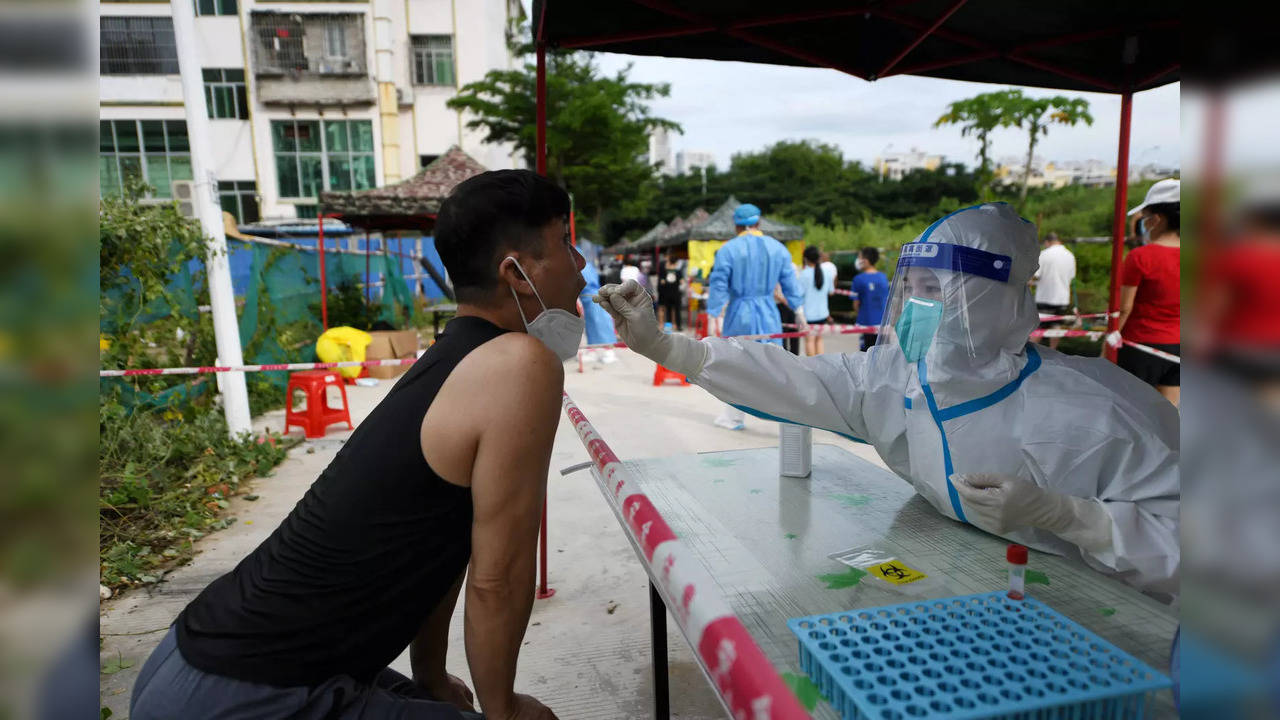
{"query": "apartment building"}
(895, 165)
(303, 96)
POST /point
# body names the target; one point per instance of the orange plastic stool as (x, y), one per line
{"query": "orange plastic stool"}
(316, 415)
(661, 375)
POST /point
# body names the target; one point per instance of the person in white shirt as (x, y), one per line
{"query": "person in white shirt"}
(1053, 281)
(829, 270)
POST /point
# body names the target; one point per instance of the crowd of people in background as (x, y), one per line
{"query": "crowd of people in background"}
(1149, 300)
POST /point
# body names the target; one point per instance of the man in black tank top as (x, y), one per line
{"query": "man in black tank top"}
(445, 479)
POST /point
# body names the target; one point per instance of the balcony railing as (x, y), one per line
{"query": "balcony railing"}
(308, 44)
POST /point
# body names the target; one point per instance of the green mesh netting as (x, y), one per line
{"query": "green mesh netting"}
(280, 320)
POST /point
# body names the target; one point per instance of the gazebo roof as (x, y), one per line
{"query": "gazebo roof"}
(411, 204)
(719, 226)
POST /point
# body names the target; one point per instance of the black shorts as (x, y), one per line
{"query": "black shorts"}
(1052, 310)
(1151, 369)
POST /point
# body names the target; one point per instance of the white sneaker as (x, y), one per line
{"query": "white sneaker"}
(608, 357)
(731, 418)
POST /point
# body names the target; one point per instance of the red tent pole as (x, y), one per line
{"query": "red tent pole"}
(324, 288)
(541, 160)
(1118, 222)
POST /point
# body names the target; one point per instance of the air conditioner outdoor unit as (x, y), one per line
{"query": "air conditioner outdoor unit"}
(184, 192)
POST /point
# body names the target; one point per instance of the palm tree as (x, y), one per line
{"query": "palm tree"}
(979, 115)
(1037, 114)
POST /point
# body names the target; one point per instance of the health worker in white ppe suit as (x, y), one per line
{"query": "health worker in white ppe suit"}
(1066, 454)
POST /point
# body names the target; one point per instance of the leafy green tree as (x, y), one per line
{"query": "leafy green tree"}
(978, 116)
(597, 126)
(1035, 115)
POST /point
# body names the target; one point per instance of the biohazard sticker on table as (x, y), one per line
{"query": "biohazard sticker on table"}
(896, 572)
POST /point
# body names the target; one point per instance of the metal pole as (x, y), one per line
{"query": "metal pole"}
(658, 638)
(544, 592)
(541, 120)
(1118, 221)
(324, 286)
(226, 331)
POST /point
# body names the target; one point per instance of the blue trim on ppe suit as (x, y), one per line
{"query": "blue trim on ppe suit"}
(774, 418)
(967, 408)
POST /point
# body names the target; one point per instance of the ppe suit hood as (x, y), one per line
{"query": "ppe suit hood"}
(980, 345)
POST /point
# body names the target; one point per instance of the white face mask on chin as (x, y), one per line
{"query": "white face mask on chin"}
(558, 329)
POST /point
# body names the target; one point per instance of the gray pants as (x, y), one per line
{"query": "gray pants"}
(168, 687)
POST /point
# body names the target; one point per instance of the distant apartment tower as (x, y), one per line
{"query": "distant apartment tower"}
(660, 151)
(893, 166)
(691, 160)
(303, 96)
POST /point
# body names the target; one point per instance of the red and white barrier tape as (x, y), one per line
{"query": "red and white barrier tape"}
(747, 683)
(1158, 353)
(1081, 316)
(254, 368)
(813, 330)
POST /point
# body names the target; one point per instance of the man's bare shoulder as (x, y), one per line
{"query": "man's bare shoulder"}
(514, 373)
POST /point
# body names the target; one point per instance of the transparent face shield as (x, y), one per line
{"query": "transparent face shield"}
(930, 296)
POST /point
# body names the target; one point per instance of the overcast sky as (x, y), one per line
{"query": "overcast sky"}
(728, 107)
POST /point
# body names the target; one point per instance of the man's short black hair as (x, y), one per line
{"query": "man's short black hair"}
(871, 255)
(490, 214)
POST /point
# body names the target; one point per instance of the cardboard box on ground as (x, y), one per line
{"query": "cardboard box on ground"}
(388, 345)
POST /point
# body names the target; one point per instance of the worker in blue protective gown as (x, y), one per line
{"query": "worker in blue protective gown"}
(746, 270)
(1067, 454)
(599, 324)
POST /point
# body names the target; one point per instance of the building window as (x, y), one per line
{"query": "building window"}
(307, 212)
(240, 198)
(215, 7)
(138, 46)
(321, 44)
(425, 160)
(224, 93)
(433, 60)
(154, 151)
(316, 155)
(335, 41)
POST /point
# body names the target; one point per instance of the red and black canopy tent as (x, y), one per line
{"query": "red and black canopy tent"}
(1083, 45)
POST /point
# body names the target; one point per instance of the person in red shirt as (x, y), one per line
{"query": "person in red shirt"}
(1150, 293)
(1240, 306)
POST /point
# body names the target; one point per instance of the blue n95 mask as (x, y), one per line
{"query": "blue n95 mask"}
(917, 325)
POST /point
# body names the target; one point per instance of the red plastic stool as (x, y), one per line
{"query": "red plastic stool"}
(661, 375)
(316, 415)
(700, 328)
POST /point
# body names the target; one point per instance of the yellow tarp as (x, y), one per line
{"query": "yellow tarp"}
(702, 254)
(341, 344)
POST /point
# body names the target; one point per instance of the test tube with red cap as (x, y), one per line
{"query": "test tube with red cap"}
(1017, 557)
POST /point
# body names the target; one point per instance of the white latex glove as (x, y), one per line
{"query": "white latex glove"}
(802, 325)
(1001, 503)
(631, 308)
(1113, 339)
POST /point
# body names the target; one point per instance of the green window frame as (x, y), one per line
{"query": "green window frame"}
(240, 198)
(433, 59)
(216, 7)
(316, 155)
(154, 151)
(224, 94)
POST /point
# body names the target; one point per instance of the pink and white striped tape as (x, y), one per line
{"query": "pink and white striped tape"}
(746, 681)
(253, 368)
